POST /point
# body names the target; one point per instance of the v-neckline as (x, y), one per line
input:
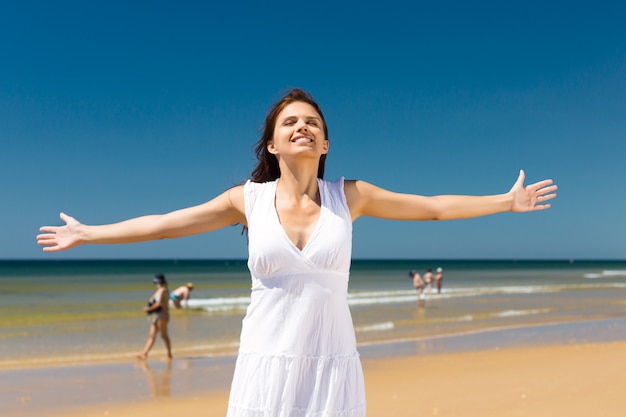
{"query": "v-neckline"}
(317, 223)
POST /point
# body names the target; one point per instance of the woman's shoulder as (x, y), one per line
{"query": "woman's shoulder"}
(355, 183)
(254, 185)
(358, 187)
(251, 189)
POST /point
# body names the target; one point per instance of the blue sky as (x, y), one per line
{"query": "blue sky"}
(110, 110)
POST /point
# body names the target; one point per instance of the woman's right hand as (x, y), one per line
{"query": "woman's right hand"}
(224, 210)
(58, 238)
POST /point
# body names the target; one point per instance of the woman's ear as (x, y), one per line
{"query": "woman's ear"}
(271, 148)
(325, 146)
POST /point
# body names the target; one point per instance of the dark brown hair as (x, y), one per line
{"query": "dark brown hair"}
(267, 168)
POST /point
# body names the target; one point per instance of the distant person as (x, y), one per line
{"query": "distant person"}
(439, 280)
(158, 307)
(181, 294)
(297, 352)
(428, 280)
(418, 284)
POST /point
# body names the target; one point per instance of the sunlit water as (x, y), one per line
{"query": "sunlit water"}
(90, 311)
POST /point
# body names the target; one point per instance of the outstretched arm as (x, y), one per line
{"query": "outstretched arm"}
(368, 200)
(222, 211)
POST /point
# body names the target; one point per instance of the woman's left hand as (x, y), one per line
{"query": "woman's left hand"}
(531, 197)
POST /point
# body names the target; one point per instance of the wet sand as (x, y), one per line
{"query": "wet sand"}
(564, 380)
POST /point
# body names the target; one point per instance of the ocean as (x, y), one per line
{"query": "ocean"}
(67, 312)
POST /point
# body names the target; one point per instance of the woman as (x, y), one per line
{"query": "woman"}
(439, 280)
(158, 307)
(418, 284)
(181, 294)
(298, 352)
(428, 280)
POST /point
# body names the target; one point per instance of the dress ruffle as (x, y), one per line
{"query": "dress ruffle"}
(297, 386)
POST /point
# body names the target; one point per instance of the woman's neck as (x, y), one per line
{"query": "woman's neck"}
(297, 185)
(299, 177)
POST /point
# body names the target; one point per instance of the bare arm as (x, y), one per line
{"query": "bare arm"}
(224, 210)
(368, 200)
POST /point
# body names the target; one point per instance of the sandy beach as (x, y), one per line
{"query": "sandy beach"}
(503, 339)
(565, 380)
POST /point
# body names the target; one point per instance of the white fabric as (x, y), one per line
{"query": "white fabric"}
(297, 356)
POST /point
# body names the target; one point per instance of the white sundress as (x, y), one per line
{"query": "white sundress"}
(297, 356)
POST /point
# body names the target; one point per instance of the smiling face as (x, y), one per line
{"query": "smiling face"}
(299, 130)
(268, 167)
